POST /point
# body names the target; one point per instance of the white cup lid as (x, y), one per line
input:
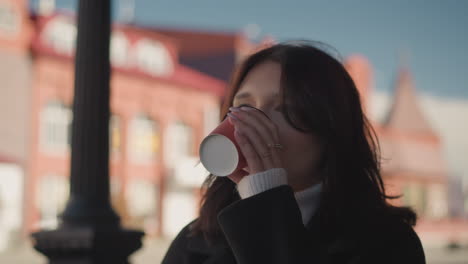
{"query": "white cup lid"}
(219, 155)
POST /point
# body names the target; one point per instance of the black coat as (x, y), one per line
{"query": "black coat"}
(267, 228)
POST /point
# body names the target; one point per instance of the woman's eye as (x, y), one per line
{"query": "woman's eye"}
(278, 108)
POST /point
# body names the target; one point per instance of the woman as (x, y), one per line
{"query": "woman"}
(312, 191)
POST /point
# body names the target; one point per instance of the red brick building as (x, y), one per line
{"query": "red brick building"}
(412, 161)
(162, 107)
(166, 89)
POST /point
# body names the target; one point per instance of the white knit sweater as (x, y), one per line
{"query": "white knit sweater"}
(307, 199)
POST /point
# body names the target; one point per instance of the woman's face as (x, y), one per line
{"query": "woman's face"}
(302, 151)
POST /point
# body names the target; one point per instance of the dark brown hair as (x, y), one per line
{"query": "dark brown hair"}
(319, 97)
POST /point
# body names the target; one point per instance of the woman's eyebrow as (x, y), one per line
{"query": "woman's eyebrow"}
(247, 94)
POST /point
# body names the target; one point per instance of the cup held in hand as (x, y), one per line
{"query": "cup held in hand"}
(219, 152)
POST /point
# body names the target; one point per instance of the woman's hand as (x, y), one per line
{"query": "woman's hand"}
(253, 132)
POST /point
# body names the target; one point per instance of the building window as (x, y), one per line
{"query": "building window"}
(12, 189)
(55, 127)
(179, 143)
(52, 195)
(118, 198)
(406, 195)
(210, 118)
(144, 139)
(9, 19)
(118, 49)
(141, 201)
(46, 7)
(60, 34)
(437, 202)
(414, 195)
(114, 135)
(179, 208)
(152, 57)
(465, 202)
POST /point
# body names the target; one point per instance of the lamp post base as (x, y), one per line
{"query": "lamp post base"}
(87, 245)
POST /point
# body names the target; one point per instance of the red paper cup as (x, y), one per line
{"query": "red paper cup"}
(219, 152)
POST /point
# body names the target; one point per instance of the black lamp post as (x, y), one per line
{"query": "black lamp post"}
(90, 230)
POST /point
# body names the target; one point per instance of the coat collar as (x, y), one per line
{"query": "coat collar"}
(340, 244)
(217, 252)
(198, 244)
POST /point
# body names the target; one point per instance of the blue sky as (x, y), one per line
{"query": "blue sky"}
(433, 32)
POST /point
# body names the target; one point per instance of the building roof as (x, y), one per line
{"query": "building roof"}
(211, 52)
(182, 74)
(201, 43)
(414, 155)
(405, 114)
(360, 69)
(407, 140)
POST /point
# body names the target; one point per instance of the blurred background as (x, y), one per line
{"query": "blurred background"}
(171, 62)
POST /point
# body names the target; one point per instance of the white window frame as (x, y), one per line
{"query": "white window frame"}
(153, 57)
(210, 118)
(179, 141)
(60, 34)
(115, 123)
(139, 126)
(119, 46)
(52, 194)
(55, 128)
(9, 19)
(141, 198)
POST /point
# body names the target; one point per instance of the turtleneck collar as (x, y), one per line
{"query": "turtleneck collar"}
(308, 201)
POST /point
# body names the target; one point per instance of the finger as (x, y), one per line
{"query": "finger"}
(260, 143)
(266, 121)
(269, 157)
(267, 127)
(251, 139)
(256, 117)
(252, 158)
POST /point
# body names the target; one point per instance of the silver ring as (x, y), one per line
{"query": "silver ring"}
(266, 155)
(278, 146)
